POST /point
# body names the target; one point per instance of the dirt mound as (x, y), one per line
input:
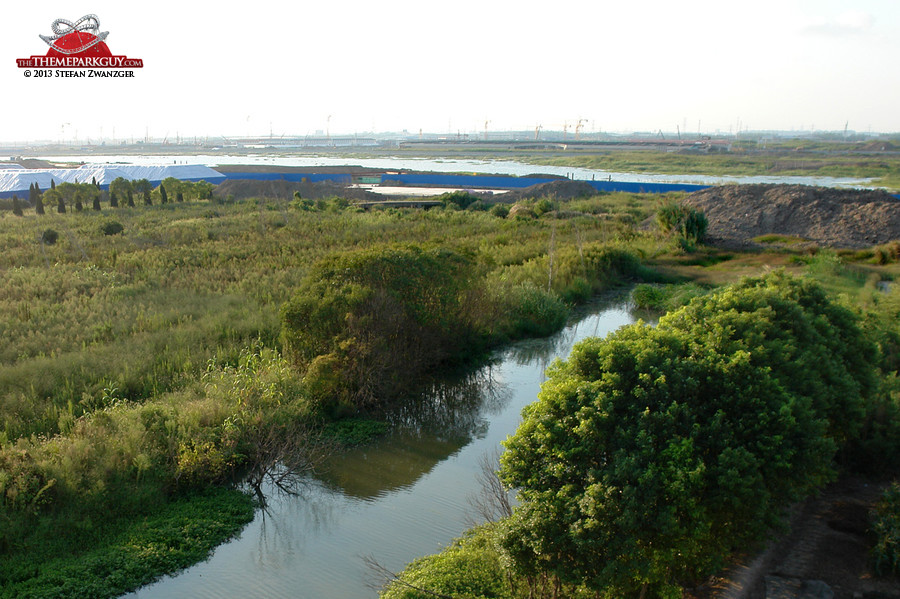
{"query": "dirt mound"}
(251, 188)
(878, 146)
(840, 218)
(564, 189)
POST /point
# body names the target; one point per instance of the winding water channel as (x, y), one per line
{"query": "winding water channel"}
(402, 498)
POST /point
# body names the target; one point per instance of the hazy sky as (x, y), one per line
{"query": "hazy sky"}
(348, 66)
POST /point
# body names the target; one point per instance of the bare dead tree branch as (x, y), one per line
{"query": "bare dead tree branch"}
(492, 500)
(386, 577)
(282, 455)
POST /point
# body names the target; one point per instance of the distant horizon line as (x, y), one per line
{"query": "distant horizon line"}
(518, 135)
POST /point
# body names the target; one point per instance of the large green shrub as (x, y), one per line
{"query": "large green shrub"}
(49, 236)
(685, 222)
(812, 345)
(364, 323)
(111, 227)
(528, 311)
(471, 567)
(652, 455)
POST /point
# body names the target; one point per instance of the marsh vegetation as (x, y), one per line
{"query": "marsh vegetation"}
(158, 351)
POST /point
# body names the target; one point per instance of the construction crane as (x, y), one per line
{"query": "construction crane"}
(537, 132)
(578, 127)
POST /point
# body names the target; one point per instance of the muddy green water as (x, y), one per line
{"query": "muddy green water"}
(402, 498)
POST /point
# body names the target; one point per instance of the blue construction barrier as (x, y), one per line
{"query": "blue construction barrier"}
(638, 187)
(450, 180)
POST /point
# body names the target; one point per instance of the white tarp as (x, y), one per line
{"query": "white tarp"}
(19, 180)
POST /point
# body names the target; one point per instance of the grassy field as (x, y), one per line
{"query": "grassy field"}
(142, 366)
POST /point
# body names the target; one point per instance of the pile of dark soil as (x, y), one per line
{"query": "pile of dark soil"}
(241, 189)
(839, 218)
(563, 189)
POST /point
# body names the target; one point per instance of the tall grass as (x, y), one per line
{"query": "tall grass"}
(140, 365)
(142, 310)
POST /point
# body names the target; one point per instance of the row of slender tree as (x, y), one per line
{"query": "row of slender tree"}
(121, 192)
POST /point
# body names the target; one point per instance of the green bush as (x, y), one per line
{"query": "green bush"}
(500, 210)
(664, 298)
(529, 311)
(887, 253)
(814, 346)
(112, 227)
(886, 527)
(653, 454)
(685, 222)
(471, 567)
(365, 323)
(544, 205)
(49, 236)
(459, 198)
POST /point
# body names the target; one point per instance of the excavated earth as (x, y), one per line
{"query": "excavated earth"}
(839, 218)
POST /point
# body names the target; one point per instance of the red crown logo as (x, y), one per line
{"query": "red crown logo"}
(79, 45)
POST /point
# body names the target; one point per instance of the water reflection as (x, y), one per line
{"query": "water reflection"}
(288, 521)
(402, 498)
(542, 352)
(428, 429)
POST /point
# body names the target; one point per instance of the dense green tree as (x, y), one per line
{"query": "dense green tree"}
(652, 455)
(16, 207)
(202, 190)
(362, 322)
(52, 195)
(67, 190)
(130, 195)
(812, 345)
(144, 187)
(120, 187)
(163, 196)
(113, 199)
(172, 185)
